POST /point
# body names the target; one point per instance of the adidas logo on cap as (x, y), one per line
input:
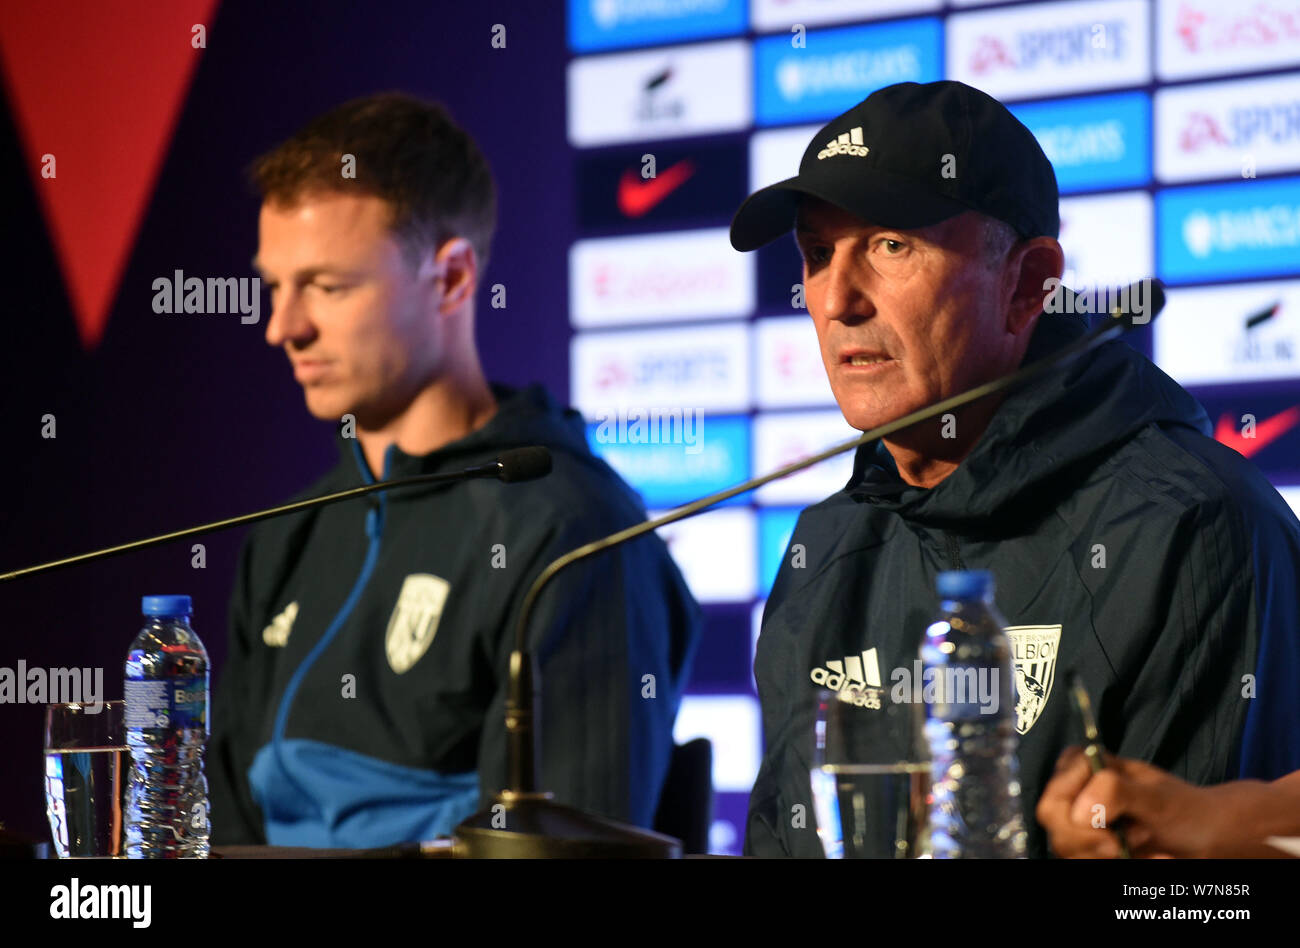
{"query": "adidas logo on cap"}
(849, 143)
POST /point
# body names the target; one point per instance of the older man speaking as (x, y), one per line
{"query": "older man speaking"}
(1125, 542)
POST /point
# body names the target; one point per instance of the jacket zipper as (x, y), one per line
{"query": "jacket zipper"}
(954, 552)
(375, 533)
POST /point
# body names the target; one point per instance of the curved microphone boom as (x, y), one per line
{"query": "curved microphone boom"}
(518, 464)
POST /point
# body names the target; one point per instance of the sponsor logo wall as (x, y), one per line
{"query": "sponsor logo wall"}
(1174, 129)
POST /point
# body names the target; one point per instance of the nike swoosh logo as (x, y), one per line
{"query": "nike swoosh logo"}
(1266, 431)
(638, 197)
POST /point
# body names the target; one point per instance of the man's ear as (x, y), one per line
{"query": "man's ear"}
(457, 267)
(1031, 267)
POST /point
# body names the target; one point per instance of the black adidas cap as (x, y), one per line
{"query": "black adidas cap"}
(910, 155)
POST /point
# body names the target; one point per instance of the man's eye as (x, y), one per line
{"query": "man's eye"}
(892, 247)
(816, 255)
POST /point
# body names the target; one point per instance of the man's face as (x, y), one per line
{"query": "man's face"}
(904, 318)
(359, 324)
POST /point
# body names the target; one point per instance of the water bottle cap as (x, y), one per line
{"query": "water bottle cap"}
(166, 605)
(965, 584)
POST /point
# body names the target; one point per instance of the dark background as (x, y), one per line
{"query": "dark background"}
(177, 420)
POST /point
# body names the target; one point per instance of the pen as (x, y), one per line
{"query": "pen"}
(1093, 749)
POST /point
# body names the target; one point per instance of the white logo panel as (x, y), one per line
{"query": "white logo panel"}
(677, 276)
(716, 553)
(700, 367)
(666, 93)
(1211, 37)
(1051, 47)
(1107, 239)
(781, 439)
(790, 372)
(774, 154)
(1213, 130)
(1246, 332)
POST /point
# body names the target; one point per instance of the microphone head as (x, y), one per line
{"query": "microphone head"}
(523, 464)
(1133, 305)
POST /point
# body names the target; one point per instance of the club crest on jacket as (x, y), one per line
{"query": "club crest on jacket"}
(415, 619)
(1034, 649)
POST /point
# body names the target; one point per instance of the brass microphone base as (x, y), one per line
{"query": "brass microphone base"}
(534, 826)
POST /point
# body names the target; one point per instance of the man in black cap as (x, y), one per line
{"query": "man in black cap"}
(1125, 542)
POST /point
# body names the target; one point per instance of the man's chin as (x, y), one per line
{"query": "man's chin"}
(865, 420)
(326, 409)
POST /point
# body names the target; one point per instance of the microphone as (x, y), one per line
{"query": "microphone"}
(523, 464)
(1134, 305)
(551, 829)
(511, 467)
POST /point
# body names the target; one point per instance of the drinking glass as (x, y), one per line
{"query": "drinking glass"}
(870, 776)
(86, 766)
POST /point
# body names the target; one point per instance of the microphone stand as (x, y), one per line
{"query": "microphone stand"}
(514, 465)
(523, 822)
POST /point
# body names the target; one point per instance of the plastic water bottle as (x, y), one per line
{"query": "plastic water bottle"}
(975, 809)
(166, 729)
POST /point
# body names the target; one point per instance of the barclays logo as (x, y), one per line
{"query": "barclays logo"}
(1229, 230)
(1247, 228)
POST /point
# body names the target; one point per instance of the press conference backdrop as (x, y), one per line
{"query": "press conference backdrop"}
(1174, 129)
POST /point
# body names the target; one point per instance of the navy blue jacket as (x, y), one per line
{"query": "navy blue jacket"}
(363, 698)
(1124, 542)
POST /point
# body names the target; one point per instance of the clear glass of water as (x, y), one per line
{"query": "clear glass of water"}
(870, 776)
(86, 765)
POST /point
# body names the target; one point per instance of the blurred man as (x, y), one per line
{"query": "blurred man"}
(363, 698)
(1125, 542)
(1163, 816)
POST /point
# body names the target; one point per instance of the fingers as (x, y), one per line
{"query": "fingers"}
(1081, 811)
(1102, 800)
(1072, 834)
(1072, 772)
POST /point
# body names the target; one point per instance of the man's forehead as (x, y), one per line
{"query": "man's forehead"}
(815, 215)
(320, 204)
(323, 230)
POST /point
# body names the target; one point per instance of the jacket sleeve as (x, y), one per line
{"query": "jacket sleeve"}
(612, 639)
(763, 837)
(782, 819)
(236, 711)
(1270, 745)
(777, 826)
(1227, 643)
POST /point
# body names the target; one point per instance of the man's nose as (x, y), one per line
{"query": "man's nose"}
(289, 320)
(844, 297)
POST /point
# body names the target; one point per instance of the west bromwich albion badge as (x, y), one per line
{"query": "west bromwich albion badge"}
(1034, 649)
(415, 619)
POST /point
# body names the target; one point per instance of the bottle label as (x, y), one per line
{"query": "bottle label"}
(171, 702)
